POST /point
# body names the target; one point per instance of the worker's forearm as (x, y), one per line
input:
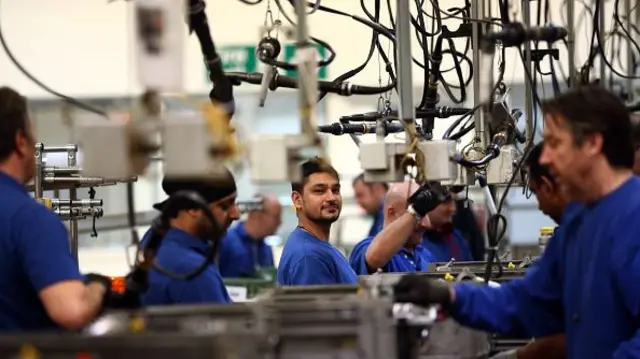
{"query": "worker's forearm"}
(552, 347)
(389, 241)
(89, 304)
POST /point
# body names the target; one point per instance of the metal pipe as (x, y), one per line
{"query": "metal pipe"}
(38, 188)
(631, 71)
(601, 40)
(307, 77)
(477, 12)
(571, 50)
(404, 64)
(73, 196)
(61, 170)
(57, 202)
(63, 148)
(79, 180)
(528, 108)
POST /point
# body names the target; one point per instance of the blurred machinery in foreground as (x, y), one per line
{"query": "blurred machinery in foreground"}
(359, 321)
(69, 177)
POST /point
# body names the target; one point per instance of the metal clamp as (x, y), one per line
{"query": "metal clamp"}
(415, 315)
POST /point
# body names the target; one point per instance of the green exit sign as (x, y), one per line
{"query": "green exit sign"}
(243, 58)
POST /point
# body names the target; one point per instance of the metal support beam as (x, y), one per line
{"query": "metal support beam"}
(404, 63)
(477, 12)
(571, 50)
(528, 108)
(631, 71)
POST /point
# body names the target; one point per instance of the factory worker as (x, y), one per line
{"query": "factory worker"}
(243, 249)
(185, 246)
(308, 258)
(397, 247)
(41, 286)
(586, 283)
(552, 201)
(469, 219)
(370, 197)
(442, 240)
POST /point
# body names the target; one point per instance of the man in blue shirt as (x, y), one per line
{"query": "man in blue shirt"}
(396, 248)
(187, 245)
(552, 202)
(586, 283)
(442, 240)
(243, 249)
(308, 258)
(370, 196)
(41, 286)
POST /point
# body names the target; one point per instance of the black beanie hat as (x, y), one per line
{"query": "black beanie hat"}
(210, 190)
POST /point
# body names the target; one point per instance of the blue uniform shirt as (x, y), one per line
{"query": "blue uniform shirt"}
(402, 262)
(34, 254)
(445, 247)
(307, 260)
(378, 222)
(182, 253)
(585, 284)
(240, 255)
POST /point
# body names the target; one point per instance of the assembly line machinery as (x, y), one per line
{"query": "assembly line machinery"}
(342, 321)
(69, 177)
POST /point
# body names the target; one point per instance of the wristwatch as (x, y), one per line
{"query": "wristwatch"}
(413, 212)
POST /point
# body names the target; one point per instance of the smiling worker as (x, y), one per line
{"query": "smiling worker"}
(308, 258)
(370, 196)
(586, 282)
(41, 286)
(186, 245)
(243, 249)
(397, 247)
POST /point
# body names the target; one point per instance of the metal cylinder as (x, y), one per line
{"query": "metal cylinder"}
(57, 202)
(63, 148)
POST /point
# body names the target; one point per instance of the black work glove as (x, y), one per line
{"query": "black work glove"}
(421, 290)
(429, 196)
(105, 281)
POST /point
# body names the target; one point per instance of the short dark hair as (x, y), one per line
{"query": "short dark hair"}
(360, 177)
(535, 170)
(311, 166)
(635, 125)
(13, 119)
(591, 109)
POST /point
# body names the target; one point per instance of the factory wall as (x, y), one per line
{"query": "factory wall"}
(85, 49)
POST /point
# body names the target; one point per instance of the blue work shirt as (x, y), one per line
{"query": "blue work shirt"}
(240, 255)
(180, 252)
(405, 261)
(34, 254)
(308, 260)
(585, 284)
(446, 246)
(378, 222)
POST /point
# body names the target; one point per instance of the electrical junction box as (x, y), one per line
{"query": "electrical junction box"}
(501, 169)
(277, 158)
(437, 160)
(105, 144)
(187, 145)
(382, 161)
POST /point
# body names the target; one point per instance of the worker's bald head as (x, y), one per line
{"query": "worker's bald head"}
(269, 218)
(396, 204)
(398, 195)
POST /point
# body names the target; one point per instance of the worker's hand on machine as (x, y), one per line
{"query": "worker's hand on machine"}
(423, 291)
(429, 196)
(105, 281)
